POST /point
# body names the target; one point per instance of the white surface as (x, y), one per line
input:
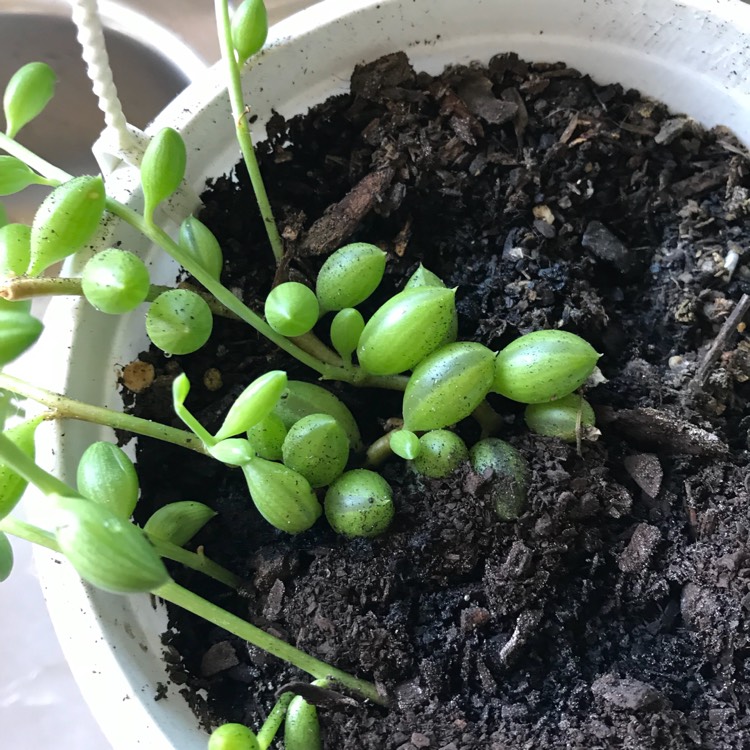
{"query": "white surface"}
(670, 50)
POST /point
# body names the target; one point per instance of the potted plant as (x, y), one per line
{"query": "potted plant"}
(647, 55)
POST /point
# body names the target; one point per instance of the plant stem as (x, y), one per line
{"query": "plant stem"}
(23, 287)
(68, 408)
(173, 592)
(244, 137)
(50, 171)
(489, 420)
(272, 723)
(12, 456)
(196, 561)
(29, 533)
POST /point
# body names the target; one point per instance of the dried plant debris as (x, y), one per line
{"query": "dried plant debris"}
(615, 612)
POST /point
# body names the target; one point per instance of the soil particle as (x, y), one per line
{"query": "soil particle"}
(614, 612)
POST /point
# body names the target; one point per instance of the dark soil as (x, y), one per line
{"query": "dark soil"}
(614, 613)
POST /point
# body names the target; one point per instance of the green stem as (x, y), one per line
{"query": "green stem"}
(271, 725)
(196, 561)
(244, 137)
(173, 592)
(12, 456)
(30, 533)
(23, 287)
(489, 420)
(68, 408)
(50, 171)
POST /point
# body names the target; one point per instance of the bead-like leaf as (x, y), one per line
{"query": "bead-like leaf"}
(267, 437)
(249, 29)
(66, 221)
(12, 486)
(18, 331)
(302, 399)
(441, 452)
(318, 448)
(560, 418)
(15, 176)
(510, 475)
(15, 250)
(179, 522)
(407, 328)
(301, 726)
(115, 281)
(291, 309)
(253, 404)
(346, 329)
(282, 496)
(162, 168)
(179, 321)
(3, 216)
(27, 94)
(404, 444)
(105, 549)
(349, 276)
(423, 277)
(232, 737)
(543, 366)
(233, 451)
(359, 503)
(199, 241)
(448, 385)
(107, 476)
(6, 557)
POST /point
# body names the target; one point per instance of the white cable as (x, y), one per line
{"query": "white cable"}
(123, 141)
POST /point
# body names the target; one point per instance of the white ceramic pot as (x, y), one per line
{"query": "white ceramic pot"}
(693, 54)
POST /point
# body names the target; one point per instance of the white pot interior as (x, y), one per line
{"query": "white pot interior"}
(690, 54)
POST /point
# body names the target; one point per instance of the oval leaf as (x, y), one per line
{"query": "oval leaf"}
(253, 404)
(199, 242)
(15, 250)
(6, 557)
(179, 522)
(12, 486)
(106, 550)
(27, 94)
(162, 168)
(350, 275)
(249, 29)
(359, 503)
(179, 321)
(15, 176)
(346, 329)
(66, 220)
(318, 448)
(301, 726)
(18, 331)
(107, 476)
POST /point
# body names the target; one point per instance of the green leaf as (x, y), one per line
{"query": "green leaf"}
(301, 726)
(6, 557)
(27, 94)
(162, 168)
(407, 328)
(282, 496)
(267, 437)
(15, 250)
(3, 216)
(18, 332)
(509, 475)
(115, 281)
(233, 452)
(543, 366)
(318, 448)
(359, 504)
(12, 486)
(67, 219)
(253, 404)
(249, 29)
(105, 549)
(404, 444)
(560, 418)
(180, 391)
(107, 476)
(448, 385)
(232, 737)
(179, 321)
(349, 276)
(423, 277)
(179, 522)
(291, 309)
(198, 241)
(302, 399)
(346, 329)
(441, 452)
(15, 176)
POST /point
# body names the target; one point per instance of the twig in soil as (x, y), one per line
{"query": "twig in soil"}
(725, 333)
(318, 695)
